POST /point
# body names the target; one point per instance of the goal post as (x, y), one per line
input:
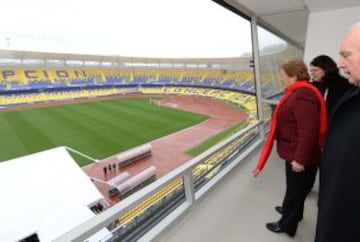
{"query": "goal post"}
(154, 102)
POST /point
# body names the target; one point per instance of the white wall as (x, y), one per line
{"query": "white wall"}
(325, 31)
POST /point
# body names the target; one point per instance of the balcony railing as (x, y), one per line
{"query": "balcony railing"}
(146, 213)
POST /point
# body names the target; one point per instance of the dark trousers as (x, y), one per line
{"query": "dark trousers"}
(298, 185)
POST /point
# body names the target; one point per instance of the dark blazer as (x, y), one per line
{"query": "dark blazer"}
(320, 86)
(339, 197)
(336, 86)
(298, 128)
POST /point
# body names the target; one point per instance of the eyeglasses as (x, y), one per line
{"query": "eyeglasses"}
(315, 69)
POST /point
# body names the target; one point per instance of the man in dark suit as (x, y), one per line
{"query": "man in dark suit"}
(339, 197)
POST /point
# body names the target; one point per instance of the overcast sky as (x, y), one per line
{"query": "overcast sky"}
(145, 28)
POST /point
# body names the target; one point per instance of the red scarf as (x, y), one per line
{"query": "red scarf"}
(270, 138)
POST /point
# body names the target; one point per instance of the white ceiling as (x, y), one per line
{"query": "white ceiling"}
(288, 17)
(324, 5)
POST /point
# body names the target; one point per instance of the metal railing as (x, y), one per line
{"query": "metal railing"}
(145, 214)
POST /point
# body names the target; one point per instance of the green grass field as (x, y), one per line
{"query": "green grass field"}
(98, 129)
(217, 138)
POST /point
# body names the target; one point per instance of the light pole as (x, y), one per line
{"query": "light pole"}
(8, 42)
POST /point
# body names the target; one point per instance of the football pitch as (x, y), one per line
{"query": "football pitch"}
(98, 128)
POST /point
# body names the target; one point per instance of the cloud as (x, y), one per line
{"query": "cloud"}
(157, 28)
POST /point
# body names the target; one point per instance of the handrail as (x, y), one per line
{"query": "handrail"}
(87, 229)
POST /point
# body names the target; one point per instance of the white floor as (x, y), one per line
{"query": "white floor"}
(238, 208)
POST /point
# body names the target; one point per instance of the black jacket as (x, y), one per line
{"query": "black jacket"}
(339, 197)
(336, 87)
(333, 87)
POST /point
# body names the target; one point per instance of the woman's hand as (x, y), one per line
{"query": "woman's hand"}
(256, 172)
(297, 167)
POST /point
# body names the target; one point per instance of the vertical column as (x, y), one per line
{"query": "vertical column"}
(189, 187)
(256, 56)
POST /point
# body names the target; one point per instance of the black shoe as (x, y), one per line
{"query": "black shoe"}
(276, 228)
(279, 209)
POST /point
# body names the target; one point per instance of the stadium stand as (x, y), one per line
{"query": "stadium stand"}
(22, 86)
(33, 79)
(157, 205)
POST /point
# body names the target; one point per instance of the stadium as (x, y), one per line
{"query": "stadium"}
(108, 147)
(63, 108)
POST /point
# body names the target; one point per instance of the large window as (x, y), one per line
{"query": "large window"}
(273, 51)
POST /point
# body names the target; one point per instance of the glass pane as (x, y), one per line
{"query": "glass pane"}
(273, 52)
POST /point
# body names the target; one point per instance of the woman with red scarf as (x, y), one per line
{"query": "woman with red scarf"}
(299, 126)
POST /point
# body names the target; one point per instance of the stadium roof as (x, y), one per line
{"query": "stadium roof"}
(45, 193)
(11, 58)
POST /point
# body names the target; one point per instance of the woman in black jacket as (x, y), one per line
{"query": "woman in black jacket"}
(326, 77)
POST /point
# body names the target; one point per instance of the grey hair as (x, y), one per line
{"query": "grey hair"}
(353, 28)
